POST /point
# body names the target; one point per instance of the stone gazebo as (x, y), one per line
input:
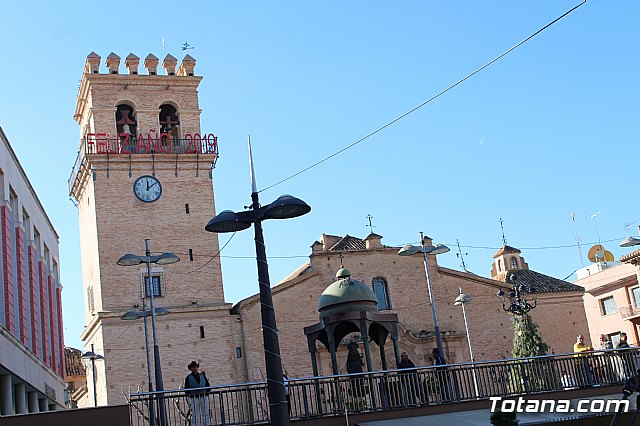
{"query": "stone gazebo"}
(348, 306)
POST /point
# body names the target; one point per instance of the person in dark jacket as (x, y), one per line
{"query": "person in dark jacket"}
(198, 399)
(443, 375)
(410, 380)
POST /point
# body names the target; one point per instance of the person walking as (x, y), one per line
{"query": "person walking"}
(357, 388)
(626, 358)
(198, 398)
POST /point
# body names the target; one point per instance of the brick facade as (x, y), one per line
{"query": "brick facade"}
(7, 268)
(489, 325)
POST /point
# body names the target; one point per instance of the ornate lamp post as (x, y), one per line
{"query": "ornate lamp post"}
(163, 259)
(91, 355)
(409, 250)
(518, 303)
(285, 207)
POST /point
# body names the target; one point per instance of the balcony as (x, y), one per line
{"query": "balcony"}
(629, 312)
(127, 145)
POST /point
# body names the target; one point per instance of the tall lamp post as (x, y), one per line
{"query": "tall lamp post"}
(91, 355)
(134, 315)
(462, 300)
(163, 259)
(409, 250)
(285, 207)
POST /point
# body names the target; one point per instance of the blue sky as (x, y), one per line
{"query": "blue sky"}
(549, 129)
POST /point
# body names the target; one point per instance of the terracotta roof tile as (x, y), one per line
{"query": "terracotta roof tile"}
(506, 249)
(541, 282)
(73, 362)
(349, 243)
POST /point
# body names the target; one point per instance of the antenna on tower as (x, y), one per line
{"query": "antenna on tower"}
(370, 225)
(504, 240)
(595, 222)
(460, 256)
(163, 45)
(578, 239)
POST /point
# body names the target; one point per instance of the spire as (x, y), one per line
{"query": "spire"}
(254, 188)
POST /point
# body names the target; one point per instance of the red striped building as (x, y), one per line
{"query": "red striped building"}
(31, 329)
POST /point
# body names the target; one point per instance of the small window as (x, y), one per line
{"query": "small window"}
(202, 331)
(608, 306)
(514, 263)
(499, 265)
(636, 296)
(186, 208)
(238, 352)
(382, 293)
(190, 255)
(157, 288)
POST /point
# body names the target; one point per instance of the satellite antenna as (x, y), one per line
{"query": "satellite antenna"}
(630, 241)
(187, 46)
(597, 253)
(578, 239)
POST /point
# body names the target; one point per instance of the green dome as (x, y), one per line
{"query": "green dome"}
(347, 295)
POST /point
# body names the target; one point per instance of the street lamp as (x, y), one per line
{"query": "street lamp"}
(462, 300)
(631, 241)
(409, 250)
(518, 303)
(285, 207)
(163, 259)
(91, 355)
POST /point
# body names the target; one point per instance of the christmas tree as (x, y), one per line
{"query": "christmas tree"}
(526, 338)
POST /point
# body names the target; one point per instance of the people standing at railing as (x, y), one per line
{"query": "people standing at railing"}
(627, 367)
(604, 363)
(583, 374)
(408, 378)
(443, 375)
(355, 363)
(198, 399)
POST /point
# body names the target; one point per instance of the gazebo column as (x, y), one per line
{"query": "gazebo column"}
(332, 349)
(396, 349)
(364, 332)
(311, 344)
(383, 357)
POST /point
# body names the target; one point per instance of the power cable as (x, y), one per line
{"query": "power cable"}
(209, 261)
(442, 92)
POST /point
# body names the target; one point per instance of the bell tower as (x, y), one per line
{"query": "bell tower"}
(144, 170)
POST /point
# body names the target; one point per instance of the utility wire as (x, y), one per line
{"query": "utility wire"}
(395, 120)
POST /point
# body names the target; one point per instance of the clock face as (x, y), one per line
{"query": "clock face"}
(147, 189)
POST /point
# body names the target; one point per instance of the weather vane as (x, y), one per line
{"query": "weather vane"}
(187, 46)
(370, 225)
(504, 240)
(461, 256)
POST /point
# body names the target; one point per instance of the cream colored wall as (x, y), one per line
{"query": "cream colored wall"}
(616, 282)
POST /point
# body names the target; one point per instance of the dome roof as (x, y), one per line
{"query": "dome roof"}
(346, 295)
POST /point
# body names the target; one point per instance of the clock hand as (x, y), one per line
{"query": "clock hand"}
(149, 186)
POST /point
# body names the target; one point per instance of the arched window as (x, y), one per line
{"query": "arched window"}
(126, 125)
(382, 293)
(169, 124)
(499, 265)
(514, 263)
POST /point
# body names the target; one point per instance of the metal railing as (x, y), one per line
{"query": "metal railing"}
(127, 145)
(313, 397)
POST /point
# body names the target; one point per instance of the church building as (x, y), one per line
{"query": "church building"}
(144, 171)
